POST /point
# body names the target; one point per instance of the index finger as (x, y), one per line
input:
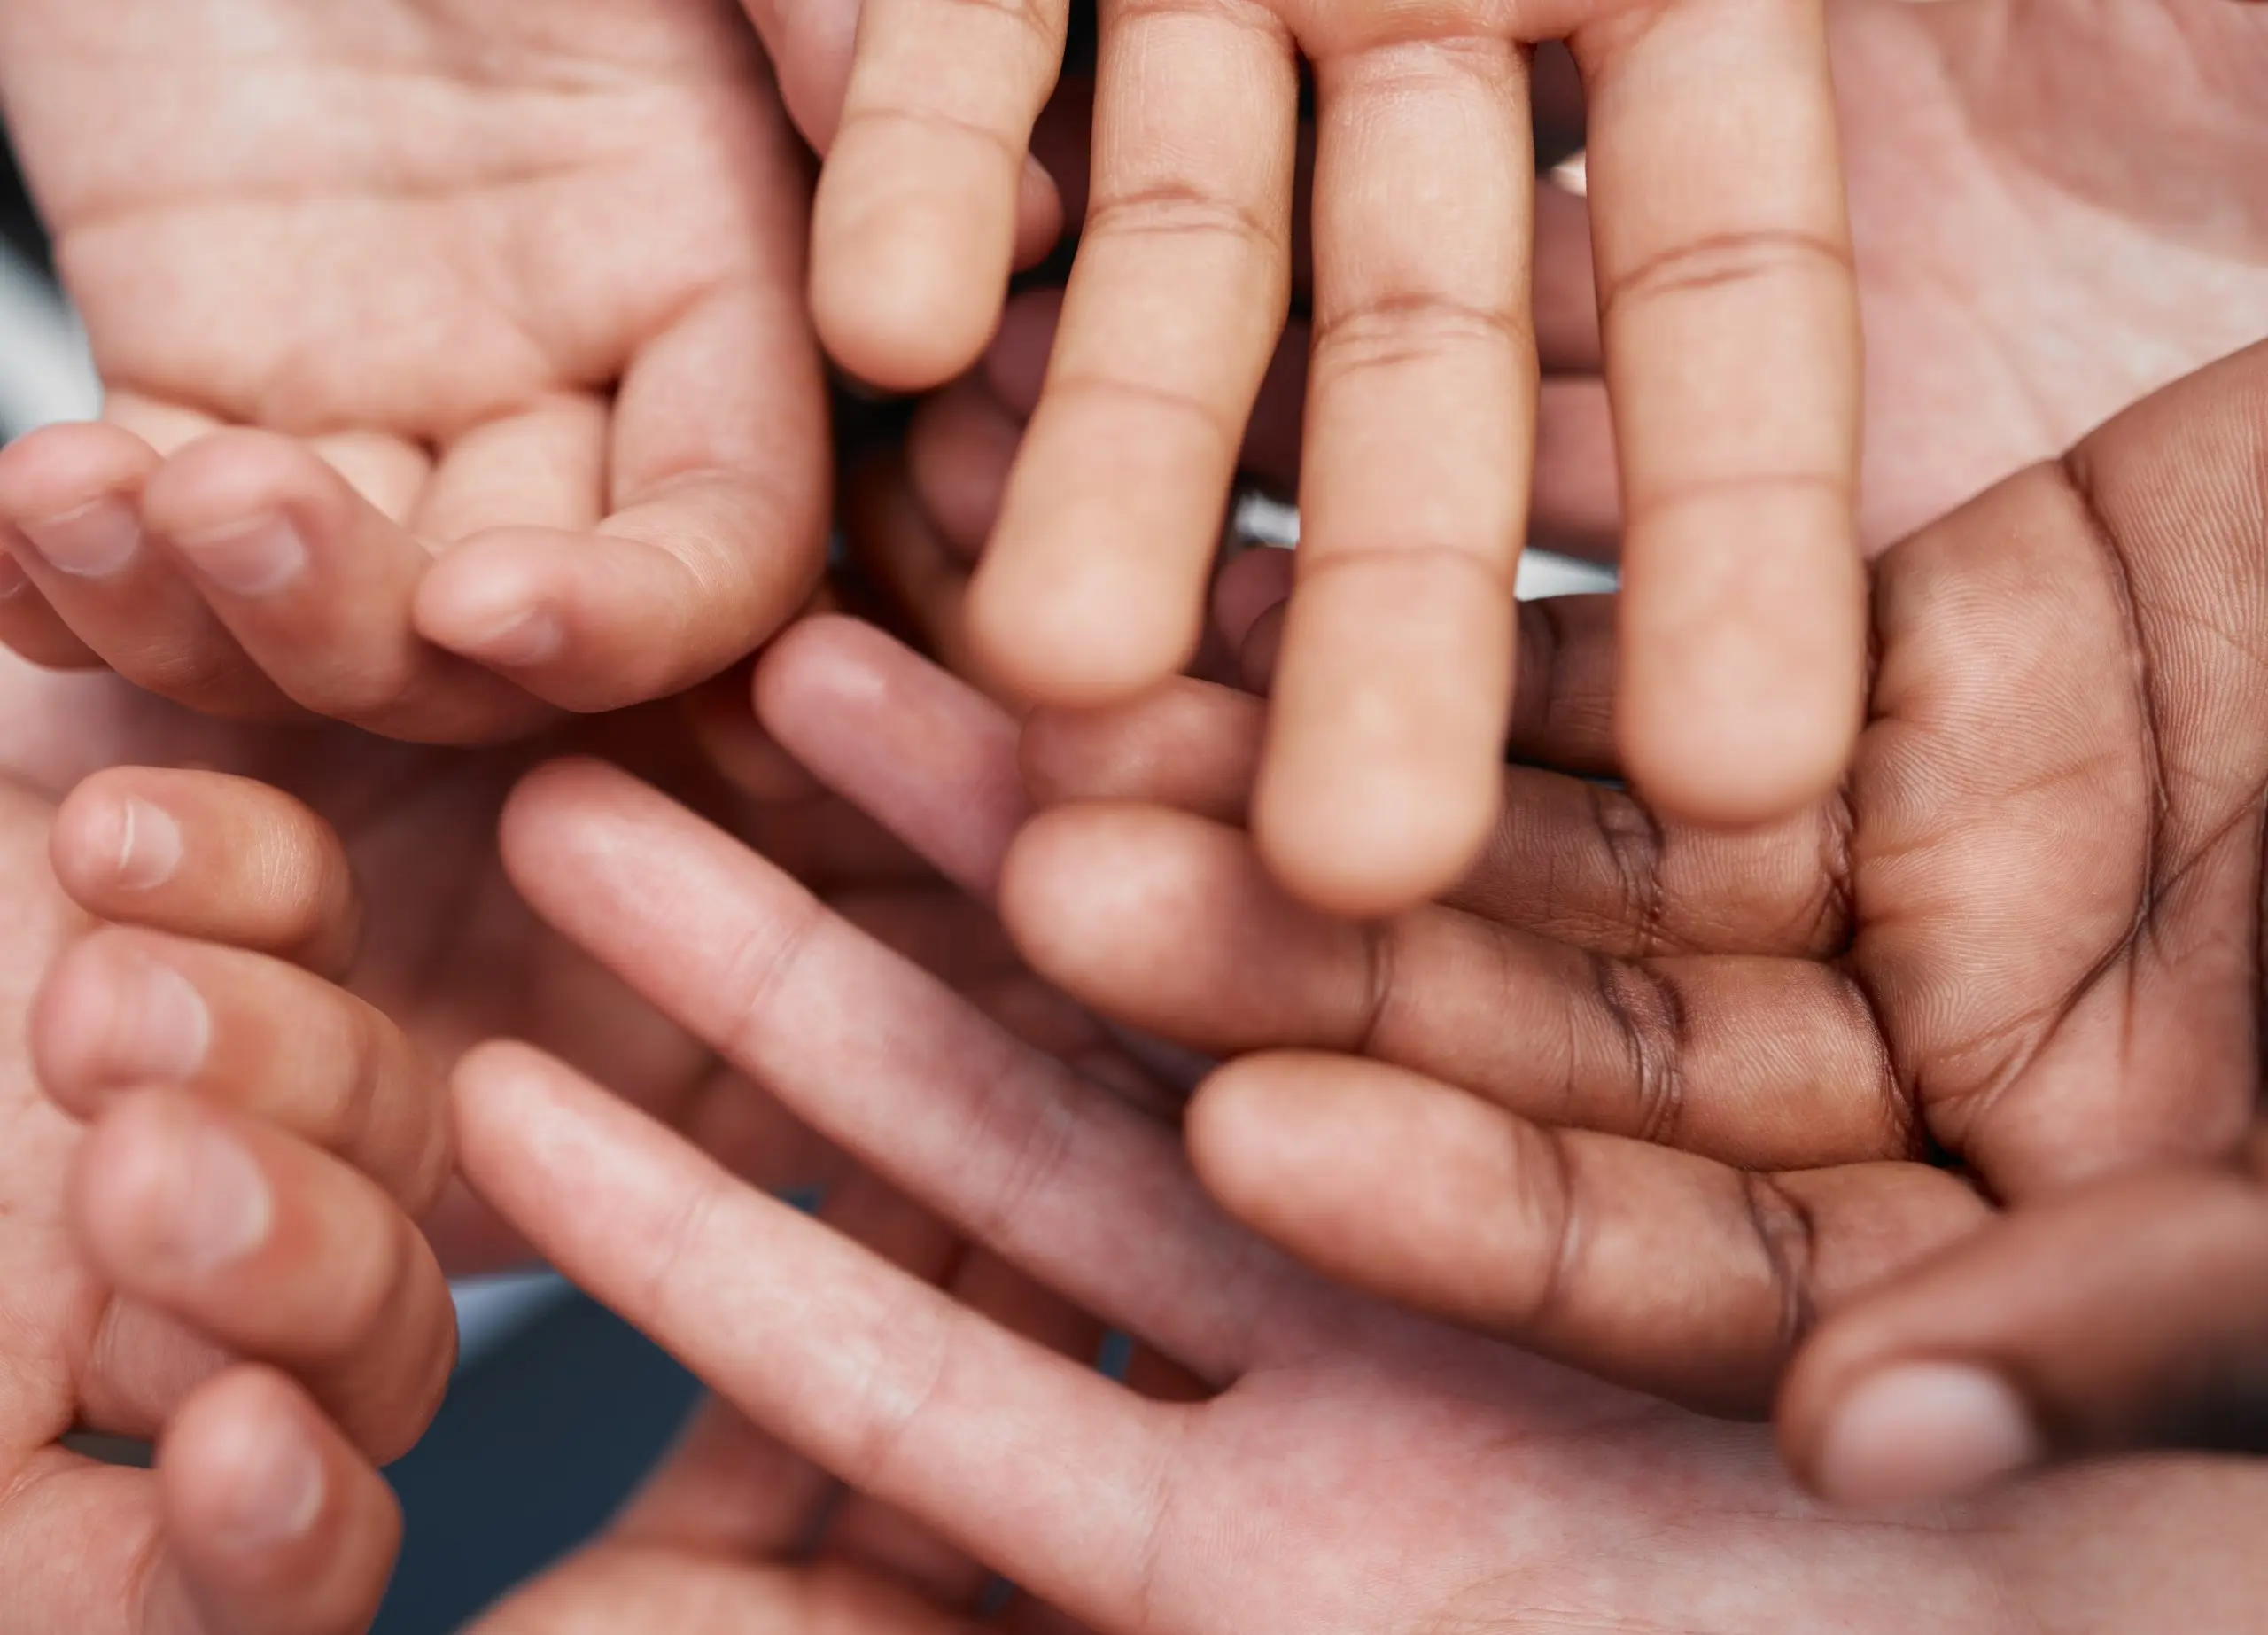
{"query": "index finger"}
(1729, 309)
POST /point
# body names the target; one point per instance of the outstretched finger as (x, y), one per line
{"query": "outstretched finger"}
(897, 1388)
(1730, 326)
(1093, 587)
(1391, 692)
(1656, 1269)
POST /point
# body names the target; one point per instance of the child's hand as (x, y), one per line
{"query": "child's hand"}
(264, 1515)
(260, 1143)
(456, 358)
(1729, 312)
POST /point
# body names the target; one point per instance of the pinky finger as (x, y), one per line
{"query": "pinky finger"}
(277, 1523)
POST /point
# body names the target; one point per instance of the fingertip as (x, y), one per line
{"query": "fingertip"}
(228, 476)
(58, 469)
(907, 282)
(1738, 752)
(487, 600)
(1039, 214)
(1917, 1431)
(1364, 844)
(280, 1526)
(109, 1017)
(816, 670)
(1080, 632)
(109, 837)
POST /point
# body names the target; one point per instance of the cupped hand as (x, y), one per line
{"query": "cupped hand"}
(262, 1515)
(1727, 287)
(1354, 1468)
(456, 355)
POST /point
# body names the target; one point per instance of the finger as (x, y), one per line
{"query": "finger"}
(929, 757)
(1730, 320)
(907, 1395)
(1379, 781)
(894, 543)
(718, 487)
(1196, 747)
(276, 1524)
(958, 453)
(123, 1009)
(543, 466)
(276, 1251)
(206, 855)
(32, 628)
(1092, 587)
(1588, 864)
(915, 228)
(1189, 746)
(71, 496)
(1067, 1177)
(1015, 368)
(1658, 1270)
(1758, 1061)
(1578, 508)
(2129, 1315)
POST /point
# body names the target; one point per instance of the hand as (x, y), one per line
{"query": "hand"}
(1725, 280)
(1356, 1469)
(2058, 210)
(262, 1514)
(445, 947)
(2129, 1314)
(736, 1531)
(2021, 941)
(477, 379)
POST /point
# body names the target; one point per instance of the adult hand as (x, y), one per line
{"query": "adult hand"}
(457, 357)
(1356, 1467)
(1728, 290)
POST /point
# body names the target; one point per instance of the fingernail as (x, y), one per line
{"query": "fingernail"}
(276, 1492)
(143, 839)
(532, 637)
(159, 1027)
(208, 1203)
(1919, 1431)
(257, 560)
(92, 542)
(12, 576)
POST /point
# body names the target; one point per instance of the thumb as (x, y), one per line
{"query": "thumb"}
(2129, 1315)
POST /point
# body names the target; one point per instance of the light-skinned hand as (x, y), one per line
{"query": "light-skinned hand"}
(1355, 1468)
(1728, 293)
(455, 357)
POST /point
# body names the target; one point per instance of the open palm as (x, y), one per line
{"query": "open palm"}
(1357, 1470)
(530, 278)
